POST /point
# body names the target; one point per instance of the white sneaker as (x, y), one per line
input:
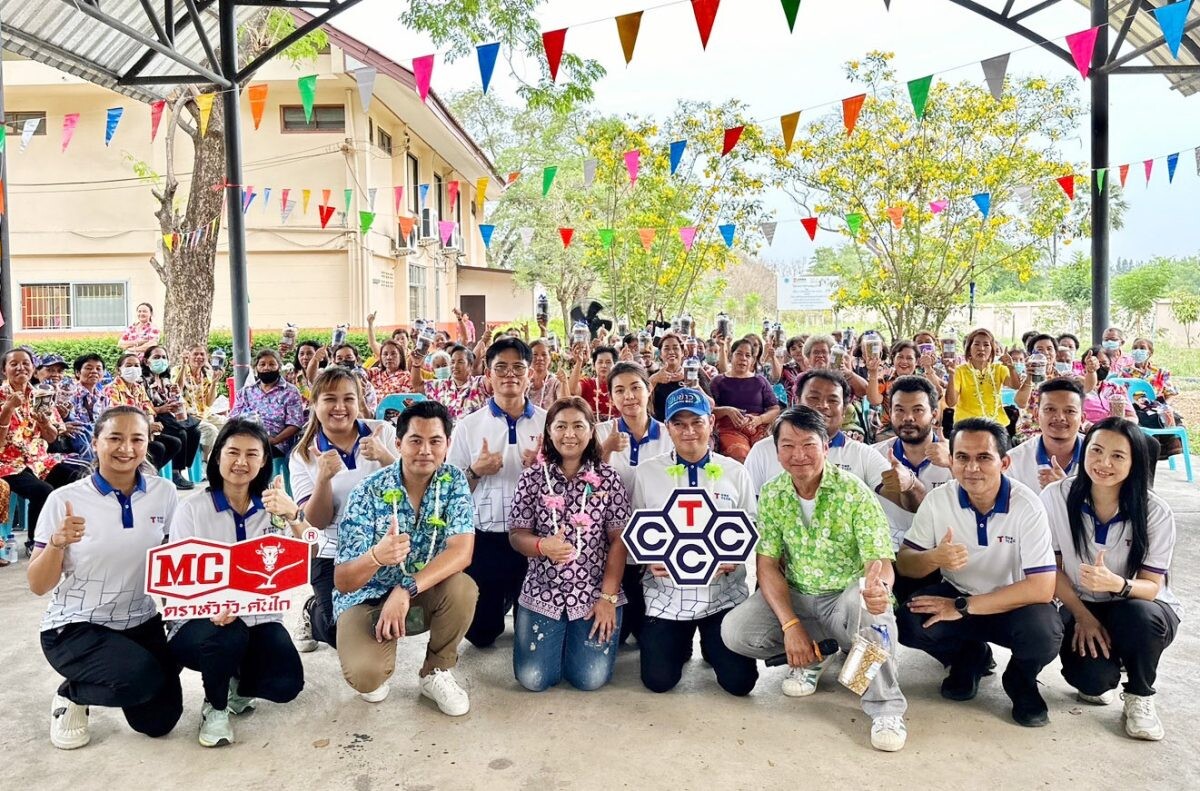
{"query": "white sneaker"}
(441, 687)
(802, 681)
(68, 724)
(1141, 720)
(302, 637)
(238, 704)
(888, 733)
(215, 729)
(376, 696)
(1103, 699)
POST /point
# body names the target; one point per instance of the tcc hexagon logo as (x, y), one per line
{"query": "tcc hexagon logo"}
(690, 536)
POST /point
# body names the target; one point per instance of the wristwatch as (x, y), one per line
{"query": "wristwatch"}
(299, 515)
(471, 474)
(611, 598)
(1126, 589)
(411, 587)
(960, 604)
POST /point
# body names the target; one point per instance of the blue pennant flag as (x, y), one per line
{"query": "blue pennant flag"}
(984, 201)
(1172, 18)
(487, 62)
(424, 190)
(486, 232)
(110, 126)
(727, 233)
(677, 154)
(1172, 163)
(266, 197)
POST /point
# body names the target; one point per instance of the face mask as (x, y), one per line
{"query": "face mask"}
(131, 374)
(1111, 346)
(1062, 368)
(348, 365)
(268, 377)
(442, 373)
(1140, 355)
(1101, 374)
(159, 365)
(1019, 368)
(711, 359)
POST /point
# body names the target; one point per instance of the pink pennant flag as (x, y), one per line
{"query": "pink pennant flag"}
(452, 193)
(423, 72)
(938, 206)
(283, 199)
(446, 229)
(1082, 44)
(688, 237)
(1149, 166)
(633, 160)
(156, 111)
(70, 121)
(399, 196)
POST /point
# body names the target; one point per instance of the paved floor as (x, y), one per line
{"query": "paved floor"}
(695, 737)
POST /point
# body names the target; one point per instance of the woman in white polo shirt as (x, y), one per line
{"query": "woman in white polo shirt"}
(101, 631)
(336, 451)
(251, 656)
(1114, 539)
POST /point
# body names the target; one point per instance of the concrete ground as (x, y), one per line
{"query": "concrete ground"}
(621, 736)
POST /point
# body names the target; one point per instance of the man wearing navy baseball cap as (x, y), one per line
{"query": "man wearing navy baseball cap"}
(674, 613)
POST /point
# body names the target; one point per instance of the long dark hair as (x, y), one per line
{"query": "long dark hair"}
(240, 427)
(591, 454)
(1133, 499)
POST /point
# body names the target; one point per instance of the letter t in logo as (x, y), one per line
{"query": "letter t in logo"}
(691, 506)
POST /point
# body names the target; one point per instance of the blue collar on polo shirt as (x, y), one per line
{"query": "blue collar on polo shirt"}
(512, 424)
(323, 444)
(1043, 458)
(221, 503)
(898, 452)
(838, 441)
(1102, 528)
(635, 445)
(693, 470)
(981, 520)
(105, 488)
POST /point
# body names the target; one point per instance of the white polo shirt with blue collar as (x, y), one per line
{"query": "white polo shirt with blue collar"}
(655, 443)
(929, 474)
(1004, 546)
(1030, 456)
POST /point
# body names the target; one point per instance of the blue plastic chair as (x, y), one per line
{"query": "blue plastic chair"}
(780, 393)
(397, 402)
(167, 471)
(196, 471)
(1140, 387)
(15, 502)
(280, 467)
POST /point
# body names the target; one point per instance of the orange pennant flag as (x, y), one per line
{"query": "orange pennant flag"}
(627, 28)
(789, 123)
(516, 174)
(306, 195)
(325, 197)
(850, 110)
(647, 235)
(897, 215)
(406, 226)
(1124, 171)
(1, 197)
(258, 101)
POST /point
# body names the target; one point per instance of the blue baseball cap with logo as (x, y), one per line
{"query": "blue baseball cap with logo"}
(687, 399)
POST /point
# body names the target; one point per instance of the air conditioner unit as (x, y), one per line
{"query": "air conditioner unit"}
(429, 224)
(400, 248)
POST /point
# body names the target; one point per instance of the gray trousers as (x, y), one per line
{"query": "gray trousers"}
(751, 629)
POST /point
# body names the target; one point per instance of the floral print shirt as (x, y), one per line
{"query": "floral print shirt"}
(25, 447)
(460, 400)
(118, 392)
(385, 383)
(87, 405)
(277, 408)
(193, 389)
(1159, 378)
(138, 333)
(545, 394)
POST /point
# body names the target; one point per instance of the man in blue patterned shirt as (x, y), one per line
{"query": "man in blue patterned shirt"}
(405, 540)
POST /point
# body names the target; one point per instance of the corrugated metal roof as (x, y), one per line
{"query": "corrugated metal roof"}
(1145, 31)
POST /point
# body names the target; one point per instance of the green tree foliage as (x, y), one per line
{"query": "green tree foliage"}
(1136, 291)
(1186, 310)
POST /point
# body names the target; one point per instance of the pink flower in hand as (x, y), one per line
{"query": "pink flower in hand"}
(592, 478)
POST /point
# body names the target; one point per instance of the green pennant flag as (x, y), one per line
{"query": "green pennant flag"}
(855, 222)
(790, 7)
(365, 220)
(918, 91)
(1100, 174)
(606, 236)
(548, 178)
(308, 94)
(349, 197)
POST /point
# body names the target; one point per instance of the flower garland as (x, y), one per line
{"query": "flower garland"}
(712, 470)
(980, 378)
(394, 497)
(579, 521)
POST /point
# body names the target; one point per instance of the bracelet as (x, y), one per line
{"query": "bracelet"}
(374, 559)
(56, 546)
(790, 624)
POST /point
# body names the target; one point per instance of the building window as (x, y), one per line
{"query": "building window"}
(439, 192)
(416, 292)
(414, 179)
(326, 118)
(384, 141)
(14, 123)
(54, 306)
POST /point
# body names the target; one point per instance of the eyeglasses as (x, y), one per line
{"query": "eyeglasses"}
(504, 369)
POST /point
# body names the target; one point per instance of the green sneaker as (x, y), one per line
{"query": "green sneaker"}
(215, 729)
(238, 704)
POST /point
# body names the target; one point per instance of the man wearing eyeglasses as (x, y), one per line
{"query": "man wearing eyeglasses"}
(492, 446)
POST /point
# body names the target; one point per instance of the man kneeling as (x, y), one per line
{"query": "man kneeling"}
(821, 528)
(403, 545)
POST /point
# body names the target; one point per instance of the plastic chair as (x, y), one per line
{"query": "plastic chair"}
(15, 502)
(397, 402)
(167, 471)
(280, 467)
(1140, 387)
(780, 393)
(196, 471)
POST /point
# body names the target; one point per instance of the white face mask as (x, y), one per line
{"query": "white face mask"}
(131, 374)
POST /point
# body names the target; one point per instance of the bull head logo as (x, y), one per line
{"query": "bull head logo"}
(270, 554)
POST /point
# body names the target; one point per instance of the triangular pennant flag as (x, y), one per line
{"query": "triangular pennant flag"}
(452, 194)
(727, 232)
(308, 94)
(1123, 170)
(548, 178)
(481, 187)
(732, 136)
(606, 236)
(677, 149)
(768, 230)
(365, 79)
(1172, 162)
(938, 206)
(326, 212)
(994, 71)
(258, 101)
(566, 234)
(371, 197)
(156, 111)
(70, 122)
(552, 42)
(486, 231)
(984, 201)
(850, 110)
(688, 237)
(406, 226)
(627, 28)
(854, 222)
(423, 191)
(896, 213)
(446, 231)
(1171, 19)
(1100, 174)
(305, 197)
(790, 7)
(266, 197)
(169, 241)
(248, 196)
(810, 225)
(526, 236)
(1149, 166)
(204, 102)
(647, 235)
(423, 74)
(918, 91)
(349, 196)
(365, 220)
(706, 14)
(1068, 186)
(487, 62)
(397, 199)
(286, 210)
(1082, 44)
(589, 172)
(513, 176)
(633, 160)
(110, 123)
(789, 123)
(31, 125)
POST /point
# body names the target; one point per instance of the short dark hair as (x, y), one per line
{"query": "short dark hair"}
(240, 427)
(916, 384)
(985, 426)
(622, 368)
(1078, 346)
(349, 346)
(423, 410)
(801, 418)
(32, 357)
(1025, 336)
(83, 359)
(508, 344)
(264, 353)
(599, 350)
(740, 342)
(455, 348)
(1041, 336)
(829, 376)
(1061, 385)
(591, 454)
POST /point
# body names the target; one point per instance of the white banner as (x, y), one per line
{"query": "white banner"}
(805, 293)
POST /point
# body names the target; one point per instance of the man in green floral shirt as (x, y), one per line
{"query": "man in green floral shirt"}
(824, 555)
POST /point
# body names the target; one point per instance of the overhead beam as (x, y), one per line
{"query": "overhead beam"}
(317, 21)
(201, 34)
(1147, 47)
(1028, 12)
(159, 30)
(141, 63)
(1017, 28)
(1126, 24)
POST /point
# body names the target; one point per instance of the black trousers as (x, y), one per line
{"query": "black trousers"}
(1140, 632)
(262, 659)
(320, 613)
(904, 587)
(498, 571)
(188, 437)
(132, 670)
(162, 449)
(1033, 633)
(634, 613)
(667, 646)
(36, 490)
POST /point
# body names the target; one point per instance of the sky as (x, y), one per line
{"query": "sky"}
(752, 56)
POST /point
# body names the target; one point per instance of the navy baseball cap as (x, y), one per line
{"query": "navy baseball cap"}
(51, 359)
(686, 399)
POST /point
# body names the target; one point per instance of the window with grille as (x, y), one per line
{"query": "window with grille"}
(53, 306)
(384, 141)
(325, 118)
(14, 122)
(416, 292)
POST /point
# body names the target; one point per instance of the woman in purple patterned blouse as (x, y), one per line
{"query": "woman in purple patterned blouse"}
(566, 517)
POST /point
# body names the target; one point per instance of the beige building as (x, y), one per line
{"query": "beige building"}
(83, 227)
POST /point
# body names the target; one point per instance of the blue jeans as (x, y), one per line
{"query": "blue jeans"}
(545, 650)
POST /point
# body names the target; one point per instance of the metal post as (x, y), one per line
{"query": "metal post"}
(239, 292)
(6, 303)
(1099, 86)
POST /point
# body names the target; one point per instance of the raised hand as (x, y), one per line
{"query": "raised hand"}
(329, 463)
(276, 500)
(1048, 475)
(948, 555)
(616, 442)
(392, 549)
(14, 401)
(1099, 578)
(70, 530)
(875, 593)
(557, 548)
(938, 451)
(373, 449)
(898, 479)
(487, 463)
(530, 457)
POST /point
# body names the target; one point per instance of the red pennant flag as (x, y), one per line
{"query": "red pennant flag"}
(552, 41)
(258, 101)
(732, 136)
(452, 193)
(326, 212)
(283, 199)
(850, 109)
(398, 192)
(406, 226)
(156, 111)
(1124, 171)
(810, 225)
(1068, 186)
(566, 234)
(706, 14)
(1148, 165)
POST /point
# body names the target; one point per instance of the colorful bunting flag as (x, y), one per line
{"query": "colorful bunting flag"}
(446, 231)
(789, 123)
(481, 188)
(1197, 163)
(452, 194)
(31, 125)
(896, 213)
(1100, 174)
(485, 232)
(349, 196)
(688, 237)
(854, 222)
(1171, 18)
(406, 225)
(365, 220)
(548, 178)
(677, 149)
(606, 236)
(732, 136)
(266, 197)
(647, 235)
(938, 206)
(513, 176)
(768, 230)
(918, 92)
(552, 42)
(423, 191)
(248, 196)
(526, 236)
(790, 7)
(589, 172)
(110, 123)
(566, 234)
(371, 197)
(850, 109)
(1123, 170)
(627, 28)
(258, 101)
(1149, 166)
(308, 94)
(727, 232)
(2, 191)
(810, 225)
(1082, 44)
(204, 103)
(487, 62)
(706, 14)
(305, 197)
(156, 111)
(984, 201)
(365, 79)
(397, 199)
(1172, 162)
(70, 122)
(286, 210)
(423, 74)
(1068, 186)
(633, 162)
(994, 71)
(169, 241)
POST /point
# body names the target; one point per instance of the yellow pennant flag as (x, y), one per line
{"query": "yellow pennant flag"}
(306, 195)
(789, 123)
(205, 101)
(481, 194)
(169, 241)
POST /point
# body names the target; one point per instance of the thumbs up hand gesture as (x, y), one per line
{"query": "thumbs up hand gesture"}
(938, 452)
(948, 555)
(487, 462)
(373, 449)
(392, 549)
(1048, 475)
(874, 591)
(1099, 578)
(70, 531)
(530, 457)
(276, 501)
(329, 463)
(898, 479)
(557, 548)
